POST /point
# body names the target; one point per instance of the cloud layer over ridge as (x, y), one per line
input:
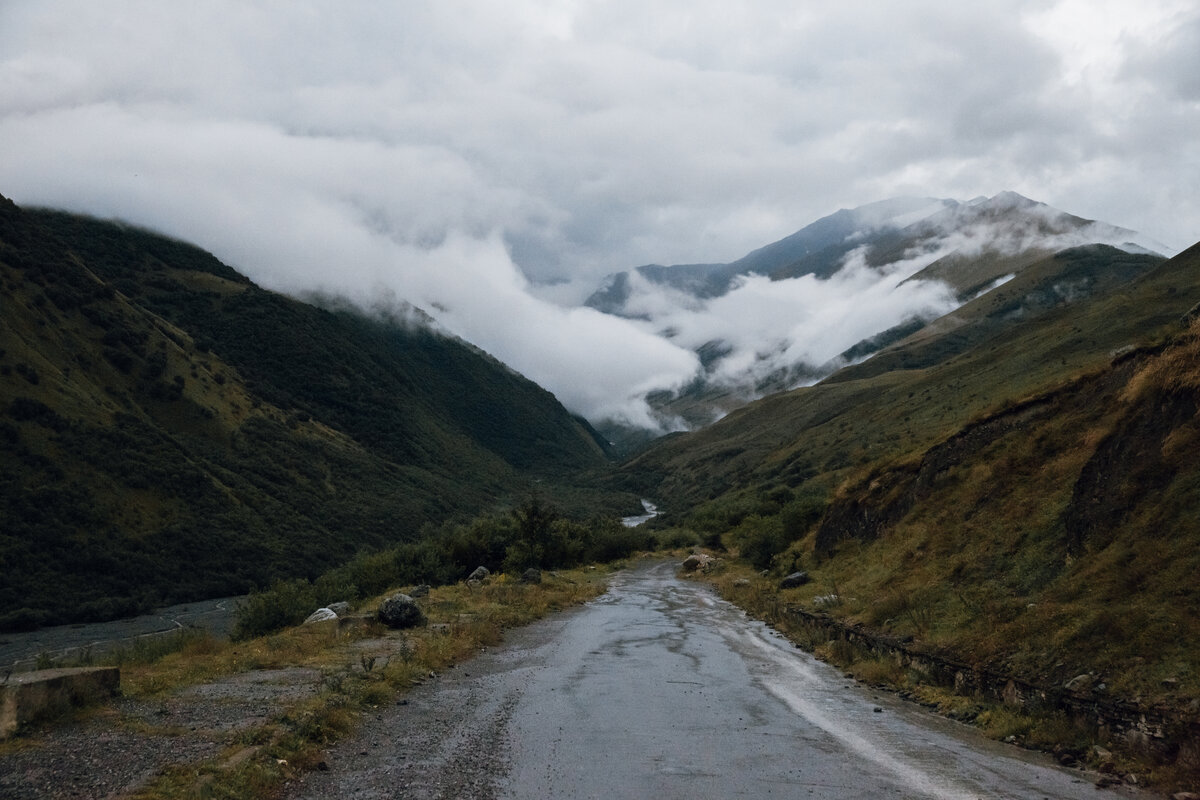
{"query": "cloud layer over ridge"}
(489, 163)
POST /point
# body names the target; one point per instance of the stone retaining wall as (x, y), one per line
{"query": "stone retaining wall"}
(1165, 732)
(27, 696)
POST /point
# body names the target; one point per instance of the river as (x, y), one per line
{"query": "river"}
(638, 519)
(67, 644)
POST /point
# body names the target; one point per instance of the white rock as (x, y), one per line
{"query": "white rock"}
(321, 615)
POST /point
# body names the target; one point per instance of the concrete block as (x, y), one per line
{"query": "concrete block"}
(28, 696)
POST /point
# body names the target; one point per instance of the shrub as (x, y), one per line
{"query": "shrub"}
(677, 538)
(284, 603)
(758, 539)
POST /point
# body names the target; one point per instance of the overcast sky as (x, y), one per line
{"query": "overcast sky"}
(462, 155)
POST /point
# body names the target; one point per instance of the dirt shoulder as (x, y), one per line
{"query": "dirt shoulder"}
(445, 738)
(245, 718)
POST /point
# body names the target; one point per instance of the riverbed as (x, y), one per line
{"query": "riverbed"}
(21, 652)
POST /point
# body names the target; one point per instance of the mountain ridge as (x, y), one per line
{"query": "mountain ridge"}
(172, 431)
(1024, 500)
(910, 260)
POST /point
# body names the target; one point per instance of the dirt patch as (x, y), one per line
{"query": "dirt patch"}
(118, 749)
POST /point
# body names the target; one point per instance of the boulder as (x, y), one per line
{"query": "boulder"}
(401, 611)
(531, 575)
(794, 580)
(1080, 683)
(480, 574)
(341, 608)
(696, 561)
(421, 590)
(321, 615)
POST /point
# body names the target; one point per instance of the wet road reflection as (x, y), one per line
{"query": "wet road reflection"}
(660, 690)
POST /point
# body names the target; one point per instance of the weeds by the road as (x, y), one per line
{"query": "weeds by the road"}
(1072, 740)
(362, 666)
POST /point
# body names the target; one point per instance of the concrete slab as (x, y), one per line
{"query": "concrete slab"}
(28, 696)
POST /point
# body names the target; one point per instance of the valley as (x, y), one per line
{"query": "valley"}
(1003, 480)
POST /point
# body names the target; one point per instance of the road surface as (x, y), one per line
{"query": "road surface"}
(661, 690)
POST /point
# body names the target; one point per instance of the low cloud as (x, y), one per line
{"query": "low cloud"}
(492, 164)
(598, 365)
(767, 326)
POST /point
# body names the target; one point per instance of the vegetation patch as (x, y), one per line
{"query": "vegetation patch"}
(1086, 730)
(362, 666)
(532, 535)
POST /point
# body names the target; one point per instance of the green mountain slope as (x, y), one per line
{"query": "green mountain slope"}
(1061, 318)
(1016, 485)
(1052, 539)
(172, 431)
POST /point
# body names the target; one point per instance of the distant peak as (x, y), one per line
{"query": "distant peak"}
(1009, 199)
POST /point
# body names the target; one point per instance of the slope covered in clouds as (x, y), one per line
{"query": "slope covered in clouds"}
(171, 431)
(835, 291)
(490, 164)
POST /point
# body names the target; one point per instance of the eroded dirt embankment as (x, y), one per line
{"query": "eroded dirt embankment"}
(1161, 732)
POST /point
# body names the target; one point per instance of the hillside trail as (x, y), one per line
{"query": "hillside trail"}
(660, 689)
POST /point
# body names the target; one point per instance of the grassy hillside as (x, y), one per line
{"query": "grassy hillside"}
(1015, 484)
(171, 431)
(1055, 538)
(1060, 319)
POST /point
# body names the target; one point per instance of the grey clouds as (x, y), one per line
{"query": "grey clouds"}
(490, 163)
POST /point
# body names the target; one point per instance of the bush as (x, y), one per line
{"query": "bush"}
(25, 619)
(759, 539)
(27, 409)
(532, 535)
(801, 514)
(676, 539)
(284, 603)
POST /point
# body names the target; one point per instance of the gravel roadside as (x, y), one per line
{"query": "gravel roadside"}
(443, 739)
(117, 749)
(452, 746)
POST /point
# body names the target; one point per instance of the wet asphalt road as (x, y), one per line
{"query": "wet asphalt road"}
(660, 690)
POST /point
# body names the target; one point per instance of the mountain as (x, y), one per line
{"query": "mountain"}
(172, 431)
(837, 291)
(1014, 485)
(817, 249)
